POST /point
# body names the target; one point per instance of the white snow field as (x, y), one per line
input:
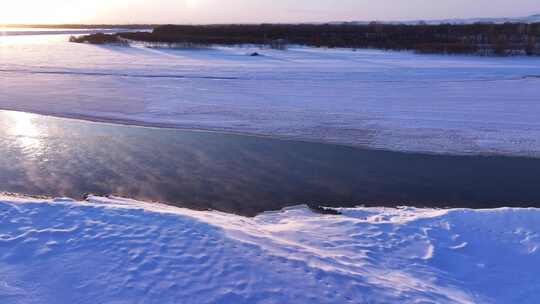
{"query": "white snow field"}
(368, 98)
(111, 250)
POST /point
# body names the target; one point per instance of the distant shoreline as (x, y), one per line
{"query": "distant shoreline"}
(482, 39)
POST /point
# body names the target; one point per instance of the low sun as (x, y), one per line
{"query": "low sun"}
(17, 12)
(192, 4)
(42, 12)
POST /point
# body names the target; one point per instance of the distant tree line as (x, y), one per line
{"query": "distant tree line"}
(480, 39)
(99, 38)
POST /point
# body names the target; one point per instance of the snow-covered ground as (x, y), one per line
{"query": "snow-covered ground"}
(122, 251)
(388, 100)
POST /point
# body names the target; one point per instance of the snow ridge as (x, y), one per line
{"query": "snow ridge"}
(111, 250)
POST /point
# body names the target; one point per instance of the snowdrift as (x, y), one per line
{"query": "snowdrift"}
(110, 250)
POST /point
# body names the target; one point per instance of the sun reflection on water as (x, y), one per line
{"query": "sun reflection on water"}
(26, 133)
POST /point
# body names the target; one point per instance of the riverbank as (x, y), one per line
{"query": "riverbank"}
(107, 250)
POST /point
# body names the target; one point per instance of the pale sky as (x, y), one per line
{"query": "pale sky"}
(254, 11)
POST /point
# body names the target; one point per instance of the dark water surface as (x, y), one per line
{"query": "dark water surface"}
(42, 155)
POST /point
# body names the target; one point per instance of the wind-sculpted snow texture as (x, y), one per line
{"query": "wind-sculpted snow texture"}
(376, 99)
(122, 251)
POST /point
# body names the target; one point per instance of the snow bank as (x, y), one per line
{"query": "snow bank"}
(122, 251)
(387, 100)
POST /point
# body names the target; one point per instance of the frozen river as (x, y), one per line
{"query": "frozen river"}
(368, 98)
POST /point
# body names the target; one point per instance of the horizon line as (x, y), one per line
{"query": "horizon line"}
(8, 25)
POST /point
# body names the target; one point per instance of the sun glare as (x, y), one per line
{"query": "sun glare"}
(22, 124)
(45, 12)
(192, 4)
(27, 134)
(96, 11)
(17, 12)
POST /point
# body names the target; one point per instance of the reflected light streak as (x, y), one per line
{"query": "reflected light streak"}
(28, 135)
